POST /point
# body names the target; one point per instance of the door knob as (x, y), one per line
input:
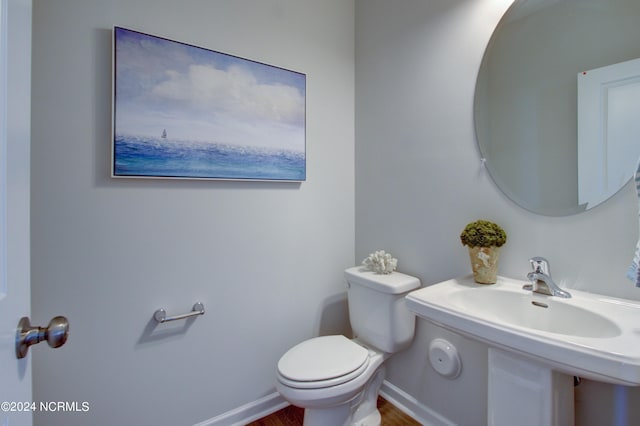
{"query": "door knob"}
(56, 334)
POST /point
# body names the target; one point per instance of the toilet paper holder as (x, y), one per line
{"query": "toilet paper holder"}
(161, 315)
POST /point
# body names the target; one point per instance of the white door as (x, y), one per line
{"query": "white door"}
(608, 129)
(15, 94)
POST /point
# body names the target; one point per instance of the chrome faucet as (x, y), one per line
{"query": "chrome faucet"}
(541, 281)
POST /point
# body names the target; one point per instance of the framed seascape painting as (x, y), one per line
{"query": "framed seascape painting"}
(181, 111)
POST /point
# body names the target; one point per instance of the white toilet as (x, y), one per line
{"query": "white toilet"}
(336, 380)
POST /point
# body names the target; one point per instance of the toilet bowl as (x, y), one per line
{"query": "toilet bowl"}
(336, 379)
(331, 377)
(326, 371)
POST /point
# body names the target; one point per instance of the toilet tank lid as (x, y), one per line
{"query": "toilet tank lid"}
(393, 283)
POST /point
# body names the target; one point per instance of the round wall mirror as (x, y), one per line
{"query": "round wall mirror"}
(557, 100)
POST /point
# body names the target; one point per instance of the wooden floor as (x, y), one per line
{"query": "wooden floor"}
(293, 416)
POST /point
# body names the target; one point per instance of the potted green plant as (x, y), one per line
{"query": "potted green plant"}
(484, 239)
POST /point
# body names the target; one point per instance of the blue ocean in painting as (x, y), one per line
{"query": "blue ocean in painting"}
(141, 156)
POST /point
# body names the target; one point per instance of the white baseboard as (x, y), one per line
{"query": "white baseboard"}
(412, 407)
(249, 412)
(273, 402)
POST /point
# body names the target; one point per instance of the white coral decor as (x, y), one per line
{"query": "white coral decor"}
(381, 262)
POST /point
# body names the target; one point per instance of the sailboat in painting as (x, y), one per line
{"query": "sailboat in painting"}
(164, 133)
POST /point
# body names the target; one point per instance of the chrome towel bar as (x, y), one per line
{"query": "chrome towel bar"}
(161, 315)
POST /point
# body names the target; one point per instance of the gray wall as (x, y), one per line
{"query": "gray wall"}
(419, 181)
(266, 259)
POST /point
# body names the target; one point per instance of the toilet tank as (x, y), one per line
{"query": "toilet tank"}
(377, 310)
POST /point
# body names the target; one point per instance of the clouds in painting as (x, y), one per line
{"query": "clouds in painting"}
(198, 94)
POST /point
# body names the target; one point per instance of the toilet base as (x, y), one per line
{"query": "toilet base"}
(359, 411)
(373, 419)
(339, 416)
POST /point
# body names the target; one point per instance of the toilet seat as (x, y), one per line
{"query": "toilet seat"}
(322, 362)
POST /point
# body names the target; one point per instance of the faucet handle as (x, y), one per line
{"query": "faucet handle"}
(540, 265)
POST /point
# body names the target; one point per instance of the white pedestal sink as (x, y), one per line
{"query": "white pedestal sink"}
(537, 343)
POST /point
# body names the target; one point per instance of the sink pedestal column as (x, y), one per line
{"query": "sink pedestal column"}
(523, 392)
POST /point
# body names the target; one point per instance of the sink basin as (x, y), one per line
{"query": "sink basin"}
(588, 335)
(509, 305)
